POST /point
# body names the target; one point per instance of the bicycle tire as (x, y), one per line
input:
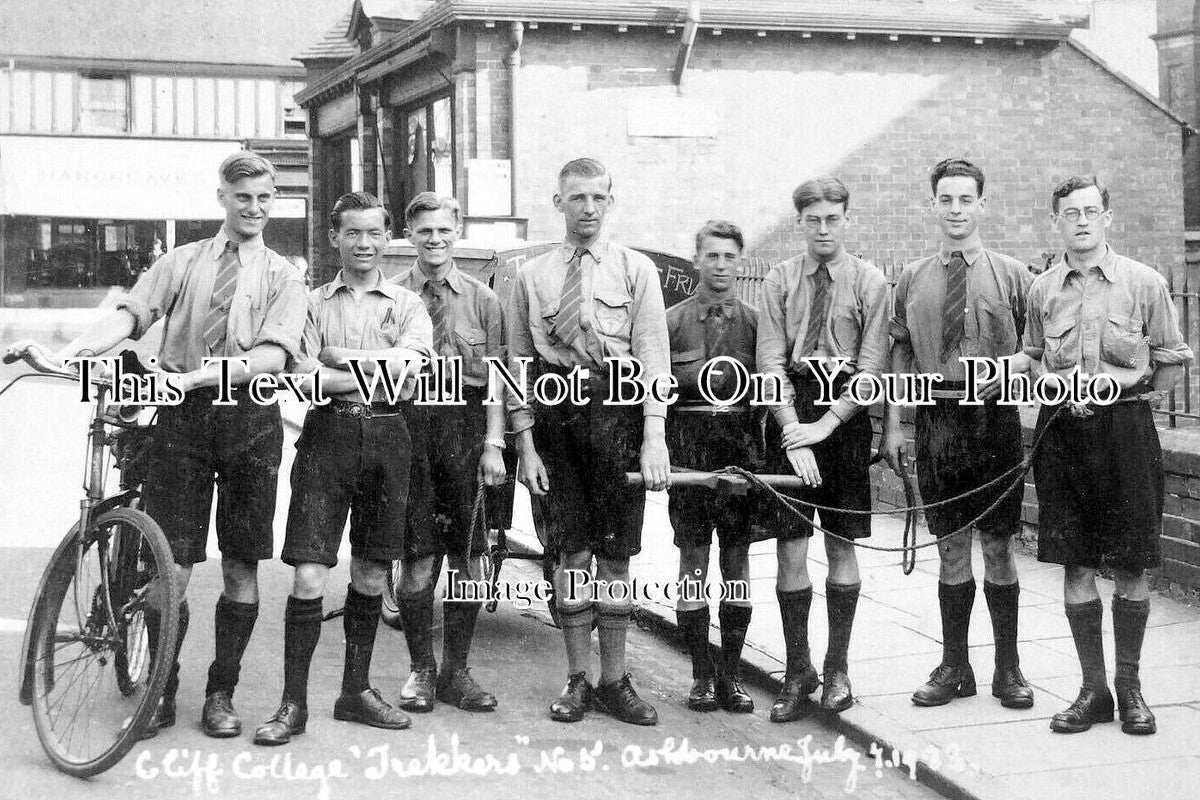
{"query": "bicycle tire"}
(132, 653)
(72, 619)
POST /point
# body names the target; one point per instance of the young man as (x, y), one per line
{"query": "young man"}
(713, 323)
(228, 296)
(352, 457)
(452, 446)
(964, 301)
(822, 305)
(1100, 474)
(573, 307)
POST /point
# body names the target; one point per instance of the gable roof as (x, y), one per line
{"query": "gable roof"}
(335, 45)
(265, 33)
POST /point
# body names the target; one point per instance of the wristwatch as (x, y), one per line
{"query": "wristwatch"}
(495, 441)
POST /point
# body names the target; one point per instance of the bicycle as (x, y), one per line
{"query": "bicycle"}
(91, 667)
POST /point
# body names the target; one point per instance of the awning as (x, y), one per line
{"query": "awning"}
(60, 176)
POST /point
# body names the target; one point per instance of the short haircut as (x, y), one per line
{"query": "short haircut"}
(1074, 184)
(721, 230)
(431, 201)
(245, 164)
(357, 201)
(584, 168)
(954, 168)
(818, 189)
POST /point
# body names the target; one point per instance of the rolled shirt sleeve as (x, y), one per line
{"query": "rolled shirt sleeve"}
(648, 338)
(155, 292)
(285, 320)
(873, 343)
(771, 349)
(1167, 345)
(520, 346)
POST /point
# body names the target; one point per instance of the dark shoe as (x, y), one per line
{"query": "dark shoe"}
(458, 688)
(1136, 716)
(1088, 709)
(836, 697)
(703, 696)
(1011, 687)
(575, 699)
(732, 697)
(290, 720)
(218, 719)
(621, 701)
(946, 682)
(792, 701)
(369, 708)
(419, 691)
(164, 717)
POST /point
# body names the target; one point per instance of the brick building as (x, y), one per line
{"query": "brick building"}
(1178, 67)
(114, 116)
(724, 114)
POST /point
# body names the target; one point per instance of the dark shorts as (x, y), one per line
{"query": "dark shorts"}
(586, 451)
(348, 465)
(844, 461)
(197, 444)
(447, 443)
(710, 440)
(1100, 488)
(960, 448)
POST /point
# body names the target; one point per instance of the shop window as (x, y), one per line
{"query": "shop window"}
(85, 253)
(425, 150)
(103, 103)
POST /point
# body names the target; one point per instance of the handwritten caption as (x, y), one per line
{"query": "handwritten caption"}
(208, 772)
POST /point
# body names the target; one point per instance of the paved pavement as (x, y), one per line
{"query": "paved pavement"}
(984, 750)
(517, 655)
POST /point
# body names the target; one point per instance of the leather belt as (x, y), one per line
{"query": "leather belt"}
(349, 408)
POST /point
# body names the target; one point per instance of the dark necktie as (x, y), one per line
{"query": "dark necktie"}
(715, 327)
(954, 309)
(439, 313)
(818, 310)
(216, 322)
(567, 326)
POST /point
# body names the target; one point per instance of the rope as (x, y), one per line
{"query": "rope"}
(908, 544)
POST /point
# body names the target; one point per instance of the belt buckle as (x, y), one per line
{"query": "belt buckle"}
(357, 410)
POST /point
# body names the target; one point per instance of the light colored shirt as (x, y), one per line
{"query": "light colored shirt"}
(687, 328)
(1117, 318)
(994, 316)
(474, 316)
(267, 305)
(384, 317)
(621, 315)
(855, 327)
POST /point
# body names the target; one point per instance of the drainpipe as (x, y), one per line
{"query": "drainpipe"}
(516, 37)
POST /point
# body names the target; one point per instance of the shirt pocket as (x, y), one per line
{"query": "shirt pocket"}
(1058, 343)
(997, 327)
(611, 312)
(1123, 341)
(245, 326)
(847, 332)
(471, 344)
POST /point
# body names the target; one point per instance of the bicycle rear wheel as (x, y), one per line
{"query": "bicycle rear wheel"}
(390, 612)
(95, 686)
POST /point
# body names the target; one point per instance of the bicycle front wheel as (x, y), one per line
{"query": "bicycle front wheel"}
(95, 685)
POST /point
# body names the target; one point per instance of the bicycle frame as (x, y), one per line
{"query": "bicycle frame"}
(93, 505)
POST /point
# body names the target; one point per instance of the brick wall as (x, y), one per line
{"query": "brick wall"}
(878, 114)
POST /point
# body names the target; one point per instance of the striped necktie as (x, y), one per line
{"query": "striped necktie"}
(439, 312)
(216, 322)
(567, 325)
(818, 310)
(954, 309)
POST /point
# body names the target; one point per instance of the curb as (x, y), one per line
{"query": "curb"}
(860, 725)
